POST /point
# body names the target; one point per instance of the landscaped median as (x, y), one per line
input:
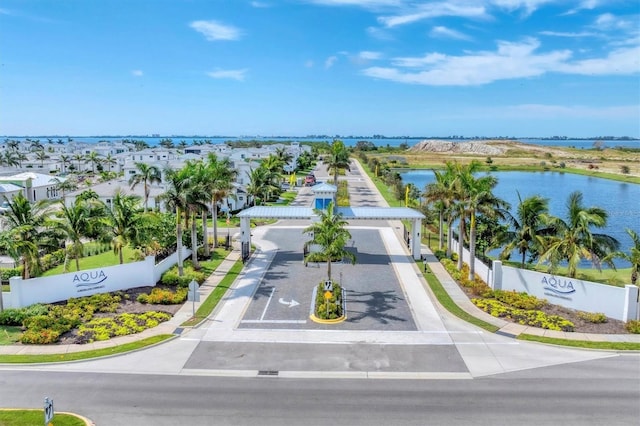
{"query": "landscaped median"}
(26, 417)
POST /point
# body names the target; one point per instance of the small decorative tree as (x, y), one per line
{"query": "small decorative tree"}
(330, 234)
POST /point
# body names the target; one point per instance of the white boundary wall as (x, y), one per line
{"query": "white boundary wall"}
(481, 270)
(615, 302)
(61, 287)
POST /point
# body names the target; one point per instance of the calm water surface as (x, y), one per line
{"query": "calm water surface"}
(620, 200)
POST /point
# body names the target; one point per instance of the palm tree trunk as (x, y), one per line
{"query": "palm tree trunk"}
(194, 242)
(120, 256)
(449, 236)
(460, 243)
(179, 242)
(77, 262)
(215, 224)
(329, 267)
(440, 230)
(205, 234)
(472, 248)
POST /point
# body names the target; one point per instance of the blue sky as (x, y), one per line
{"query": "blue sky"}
(298, 67)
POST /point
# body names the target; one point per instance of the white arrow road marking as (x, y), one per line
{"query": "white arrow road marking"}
(291, 304)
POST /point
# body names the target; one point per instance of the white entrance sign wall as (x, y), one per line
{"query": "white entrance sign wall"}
(58, 288)
(615, 302)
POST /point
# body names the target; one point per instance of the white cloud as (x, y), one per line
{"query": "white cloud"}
(259, 4)
(328, 63)
(568, 34)
(624, 61)
(445, 32)
(214, 30)
(369, 56)
(433, 10)
(529, 6)
(238, 75)
(584, 5)
(137, 73)
(509, 61)
(367, 4)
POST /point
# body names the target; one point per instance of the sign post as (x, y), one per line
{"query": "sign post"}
(193, 295)
(48, 411)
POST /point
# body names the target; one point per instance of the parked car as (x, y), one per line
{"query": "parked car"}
(310, 180)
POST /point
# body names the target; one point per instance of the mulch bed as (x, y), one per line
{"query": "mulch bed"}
(612, 326)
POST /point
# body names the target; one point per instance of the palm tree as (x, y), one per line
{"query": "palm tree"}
(28, 232)
(147, 175)
(475, 196)
(442, 194)
(73, 222)
(41, 156)
(80, 159)
(110, 161)
(178, 183)
(262, 182)
(331, 235)
(338, 160)
(218, 177)
(124, 222)
(65, 185)
(10, 159)
(633, 256)
(529, 227)
(573, 239)
(65, 160)
(95, 159)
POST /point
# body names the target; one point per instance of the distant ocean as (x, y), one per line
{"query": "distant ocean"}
(154, 141)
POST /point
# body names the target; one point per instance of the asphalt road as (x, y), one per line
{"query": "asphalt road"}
(601, 392)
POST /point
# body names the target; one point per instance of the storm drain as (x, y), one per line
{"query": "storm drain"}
(268, 373)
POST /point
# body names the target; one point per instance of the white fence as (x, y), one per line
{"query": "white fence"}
(61, 287)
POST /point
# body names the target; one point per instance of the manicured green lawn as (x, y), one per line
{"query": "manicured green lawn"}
(36, 417)
(108, 258)
(9, 334)
(76, 356)
(216, 295)
(617, 346)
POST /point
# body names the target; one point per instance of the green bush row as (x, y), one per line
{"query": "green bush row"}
(171, 277)
(532, 318)
(592, 317)
(16, 316)
(159, 296)
(519, 300)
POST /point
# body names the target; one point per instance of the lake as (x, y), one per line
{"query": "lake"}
(620, 200)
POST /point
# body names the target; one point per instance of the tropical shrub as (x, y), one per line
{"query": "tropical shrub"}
(6, 273)
(519, 300)
(171, 277)
(592, 317)
(120, 325)
(39, 337)
(16, 317)
(633, 326)
(331, 308)
(159, 296)
(532, 318)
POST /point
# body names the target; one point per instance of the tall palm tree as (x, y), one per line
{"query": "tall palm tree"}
(633, 256)
(95, 159)
(331, 235)
(262, 183)
(176, 196)
(124, 222)
(41, 155)
(10, 159)
(442, 193)
(338, 159)
(573, 239)
(73, 223)
(28, 232)
(218, 178)
(65, 160)
(79, 158)
(529, 227)
(147, 175)
(475, 196)
(110, 161)
(65, 185)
